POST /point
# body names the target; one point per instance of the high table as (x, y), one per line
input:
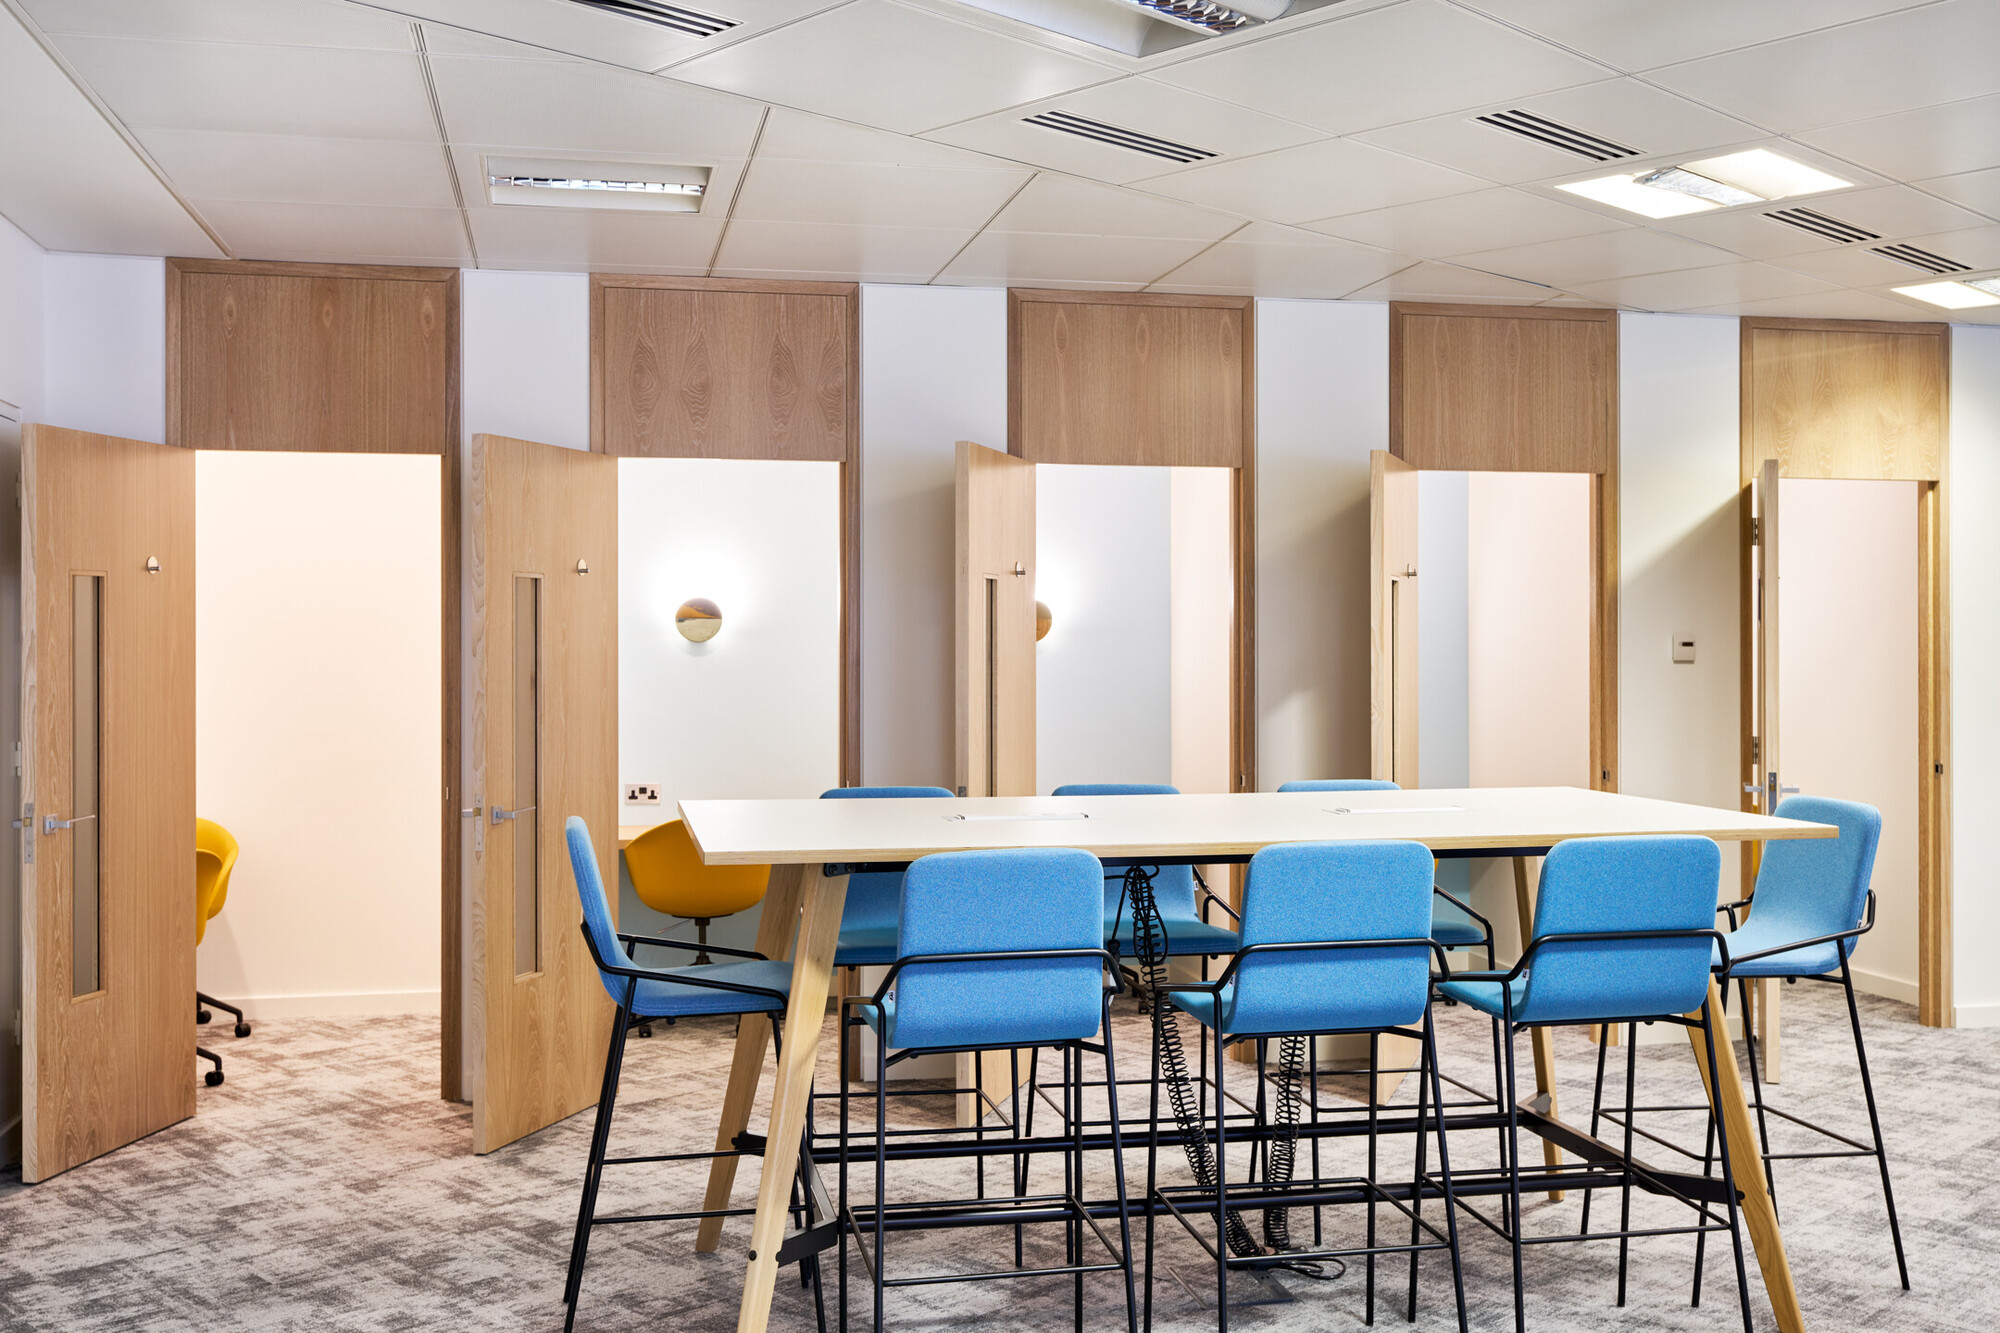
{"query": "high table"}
(812, 845)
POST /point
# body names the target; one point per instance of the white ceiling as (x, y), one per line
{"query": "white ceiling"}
(886, 140)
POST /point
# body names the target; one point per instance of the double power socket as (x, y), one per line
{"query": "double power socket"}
(642, 793)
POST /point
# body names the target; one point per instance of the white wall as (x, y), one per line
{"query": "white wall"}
(22, 275)
(1444, 566)
(1322, 405)
(1103, 710)
(933, 372)
(525, 350)
(1974, 773)
(317, 727)
(1201, 592)
(105, 366)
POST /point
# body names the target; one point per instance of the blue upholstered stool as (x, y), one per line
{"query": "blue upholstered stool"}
(1623, 933)
(751, 985)
(868, 921)
(1182, 904)
(996, 950)
(1335, 941)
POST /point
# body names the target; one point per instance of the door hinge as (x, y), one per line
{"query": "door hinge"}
(1937, 770)
(1756, 750)
(1756, 532)
(17, 759)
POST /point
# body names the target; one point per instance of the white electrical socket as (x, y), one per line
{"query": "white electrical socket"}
(642, 793)
(1683, 649)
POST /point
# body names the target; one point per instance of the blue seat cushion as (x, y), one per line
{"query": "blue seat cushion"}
(1812, 961)
(1451, 927)
(1485, 995)
(1200, 1005)
(866, 946)
(1184, 938)
(660, 996)
(1002, 1032)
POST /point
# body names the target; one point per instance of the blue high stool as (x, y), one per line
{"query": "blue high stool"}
(1623, 933)
(1335, 942)
(996, 950)
(755, 985)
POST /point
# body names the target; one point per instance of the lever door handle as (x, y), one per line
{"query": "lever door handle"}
(50, 823)
(501, 816)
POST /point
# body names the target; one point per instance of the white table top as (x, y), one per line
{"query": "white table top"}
(1126, 827)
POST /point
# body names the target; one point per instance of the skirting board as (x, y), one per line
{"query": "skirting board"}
(1889, 988)
(376, 1003)
(1976, 1016)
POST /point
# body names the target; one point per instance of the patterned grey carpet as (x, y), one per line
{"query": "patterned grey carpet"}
(325, 1187)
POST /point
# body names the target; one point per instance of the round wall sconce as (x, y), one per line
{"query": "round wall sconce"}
(698, 620)
(1043, 620)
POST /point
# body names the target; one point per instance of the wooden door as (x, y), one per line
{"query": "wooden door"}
(1392, 611)
(107, 792)
(996, 623)
(541, 673)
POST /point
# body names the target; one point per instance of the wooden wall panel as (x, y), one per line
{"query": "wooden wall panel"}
(1502, 389)
(311, 357)
(1845, 399)
(1095, 377)
(697, 368)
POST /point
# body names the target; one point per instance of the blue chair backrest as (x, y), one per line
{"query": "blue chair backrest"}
(1623, 884)
(873, 899)
(1173, 886)
(1310, 891)
(1340, 784)
(596, 906)
(1808, 887)
(999, 901)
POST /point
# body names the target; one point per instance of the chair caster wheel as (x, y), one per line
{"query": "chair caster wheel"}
(242, 1029)
(202, 1015)
(213, 1078)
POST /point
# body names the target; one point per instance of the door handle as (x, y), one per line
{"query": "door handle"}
(471, 812)
(50, 823)
(501, 816)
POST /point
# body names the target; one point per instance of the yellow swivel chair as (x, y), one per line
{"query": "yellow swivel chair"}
(669, 877)
(214, 858)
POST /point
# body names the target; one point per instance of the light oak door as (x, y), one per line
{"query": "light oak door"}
(996, 623)
(541, 673)
(1768, 780)
(107, 792)
(1392, 613)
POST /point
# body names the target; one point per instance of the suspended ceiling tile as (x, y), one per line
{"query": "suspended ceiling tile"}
(1979, 190)
(1629, 113)
(1448, 282)
(595, 239)
(1695, 288)
(441, 39)
(1275, 261)
(881, 254)
(74, 184)
(949, 279)
(1859, 266)
(795, 134)
(1030, 257)
(890, 66)
(1937, 140)
(871, 194)
(1065, 204)
(266, 22)
(320, 92)
(1383, 67)
(1612, 254)
(1889, 211)
(1156, 109)
(282, 168)
(579, 30)
(1918, 57)
(1460, 224)
(571, 107)
(334, 232)
(1320, 180)
(1837, 304)
(1640, 34)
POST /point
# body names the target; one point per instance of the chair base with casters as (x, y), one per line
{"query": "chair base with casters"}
(202, 1005)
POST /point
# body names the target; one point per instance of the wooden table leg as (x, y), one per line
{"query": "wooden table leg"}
(1769, 1065)
(775, 928)
(1760, 1219)
(812, 976)
(1543, 1039)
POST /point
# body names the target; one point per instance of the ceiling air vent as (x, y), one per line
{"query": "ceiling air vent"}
(1819, 224)
(1117, 136)
(1555, 134)
(690, 21)
(1923, 259)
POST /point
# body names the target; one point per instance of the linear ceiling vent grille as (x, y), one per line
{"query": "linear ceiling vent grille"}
(1117, 136)
(1923, 259)
(690, 21)
(1819, 224)
(1555, 134)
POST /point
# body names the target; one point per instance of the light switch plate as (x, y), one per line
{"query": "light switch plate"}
(642, 793)
(1683, 649)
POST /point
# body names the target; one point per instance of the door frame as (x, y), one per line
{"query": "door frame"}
(450, 449)
(1934, 867)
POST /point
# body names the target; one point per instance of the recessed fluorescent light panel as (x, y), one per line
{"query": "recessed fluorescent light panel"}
(575, 183)
(1701, 187)
(1145, 27)
(1765, 174)
(1752, 177)
(1625, 192)
(1956, 295)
